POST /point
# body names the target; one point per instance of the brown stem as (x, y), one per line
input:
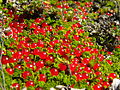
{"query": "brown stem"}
(62, 11)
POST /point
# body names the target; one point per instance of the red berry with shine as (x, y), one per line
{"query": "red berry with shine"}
(86, 60)
(54, 72)
(97, 87)
(40, 64)
(25, 74)
(43, 55)
(10, 71)
(42, 77)
(29, 83)
(98, 73)
(96, 66)
(112, 75)
(16, 85)
(109, 62)
(105, 84)
(18, 67)
(29, 65)
(27, 59)
(87, 69)
(72, 67)
(5, 60)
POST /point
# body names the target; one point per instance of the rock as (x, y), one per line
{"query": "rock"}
(24, 88)
(52, 88)
(61, 87)
(115, 84)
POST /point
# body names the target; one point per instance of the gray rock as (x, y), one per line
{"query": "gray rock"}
(115, 84)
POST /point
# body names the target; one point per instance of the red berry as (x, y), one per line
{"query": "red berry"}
(38, 88)
(78, 53)
(92, 57)
(83, 64)
(36, 51)
(84, 18)
(40, 43)
(76, 37)
(10, 12)
(43, 55)
(61, 51)
(98, 73)
(112, 75)
(96, 66)
(50, 49)
(66, 6)
(18, 67)
(52, 43)
(75, 61)
(94, 51)
(33, 26)
(59, 6)
(33, 45)
(25, 52)
(110, 53)
(16, 85)
(29, 83)
(85, 75)
(27, 59)
(62, 67)
(25, 74)
(60, 28)
(10, 71)
(72, 67)
(86, 49)
(38, 20)
(54, 72)
(29, 65)
(86, 60)
(87, 69)
(80, 31)
(49, 59)
(79, 25)
(74, 25)
(105, 84)
(79, 77)
(42, 77)
(97, 87)
(44, 24)
(40, 64)
(17, 55)
(101, 57)
(109, 62)
(27, 45)
(50, 28)
(12, 60)
(5, 60)
(79, 69)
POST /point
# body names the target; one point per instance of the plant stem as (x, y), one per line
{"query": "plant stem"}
(2, 43)
(62, 11)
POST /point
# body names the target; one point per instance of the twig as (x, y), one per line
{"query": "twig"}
(69, 70)
(62, 10)
(2, 44)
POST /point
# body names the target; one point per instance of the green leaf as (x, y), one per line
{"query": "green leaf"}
(0, 1)
(9, 53)
(41, 83)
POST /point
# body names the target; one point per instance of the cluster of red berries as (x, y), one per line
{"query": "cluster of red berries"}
(39, 45)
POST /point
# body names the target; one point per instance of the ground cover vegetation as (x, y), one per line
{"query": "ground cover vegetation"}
(45, 43)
